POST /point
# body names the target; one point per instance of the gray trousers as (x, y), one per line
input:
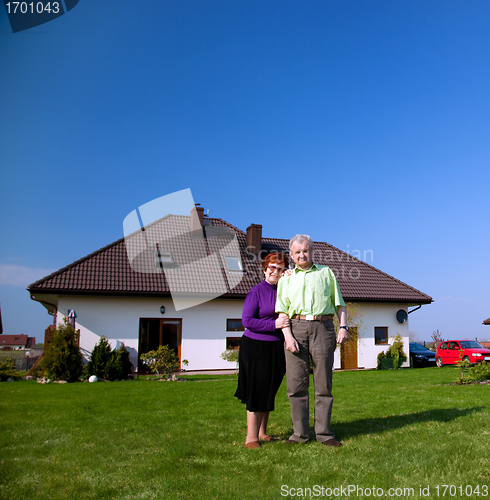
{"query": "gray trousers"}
(318, 339)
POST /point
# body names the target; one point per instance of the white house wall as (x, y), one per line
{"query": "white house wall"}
(378, 314)
(203, 327)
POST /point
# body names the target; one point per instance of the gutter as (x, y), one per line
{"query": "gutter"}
(54, 314)
(416, 309)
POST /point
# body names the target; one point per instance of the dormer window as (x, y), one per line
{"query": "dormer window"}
(234, 264)
(164, 259)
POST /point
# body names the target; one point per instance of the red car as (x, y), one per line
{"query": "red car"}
(448, 352)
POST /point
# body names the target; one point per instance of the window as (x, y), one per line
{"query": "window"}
(234, 325)
(163, 259)
(234, 264)
(233, 342)
(380, 335)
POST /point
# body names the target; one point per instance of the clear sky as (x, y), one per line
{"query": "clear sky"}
(365, 124)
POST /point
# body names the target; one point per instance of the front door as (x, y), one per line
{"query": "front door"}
(348, 352)
(157, 332)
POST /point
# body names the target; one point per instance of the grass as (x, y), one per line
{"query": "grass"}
(157, 440)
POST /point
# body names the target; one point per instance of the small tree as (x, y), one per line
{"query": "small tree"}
(463, 364)
(436, 337)
(119, 366)
(395, 353)
(99, 358)
(62, 358)
(231, 355)
(163, 361)
(7, 370)
(107, 364)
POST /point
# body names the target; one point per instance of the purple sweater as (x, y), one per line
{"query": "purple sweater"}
(259, 313)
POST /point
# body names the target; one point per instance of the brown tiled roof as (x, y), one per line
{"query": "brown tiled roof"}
(109, 270)
(15, 340)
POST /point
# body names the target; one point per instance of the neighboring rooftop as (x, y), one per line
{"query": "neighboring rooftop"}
(16, 341)
(108, 271)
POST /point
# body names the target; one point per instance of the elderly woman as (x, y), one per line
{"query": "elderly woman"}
(261, 360)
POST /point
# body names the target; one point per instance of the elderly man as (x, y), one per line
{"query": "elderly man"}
(310, 296)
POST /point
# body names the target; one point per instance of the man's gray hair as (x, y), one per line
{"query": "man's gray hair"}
(301, 238)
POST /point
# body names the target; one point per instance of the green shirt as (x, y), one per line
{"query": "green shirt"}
(314, 291)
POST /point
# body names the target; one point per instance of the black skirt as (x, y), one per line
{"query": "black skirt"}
(262, 366)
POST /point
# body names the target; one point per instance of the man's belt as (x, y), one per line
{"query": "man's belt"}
(310, 317)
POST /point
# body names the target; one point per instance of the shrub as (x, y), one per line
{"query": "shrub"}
(7, 370)
(163, 361)
(119, 366)
(99, 359)
(394, 356)
(480, 372)
(231, 355)
(108, 364)
(463, 365)
(62, 358)
(396, 351)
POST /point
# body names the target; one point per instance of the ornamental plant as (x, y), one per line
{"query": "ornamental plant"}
(7, 370)
(108, 364)
(231, 355)
(163, 361)
(98, 360)
(394, 353)
(62, 359)
(119, 367)
(480, 372)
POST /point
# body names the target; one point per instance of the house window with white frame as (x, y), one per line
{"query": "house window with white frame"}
(380, 335)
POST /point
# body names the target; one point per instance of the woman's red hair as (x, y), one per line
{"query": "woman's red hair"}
(274, 257)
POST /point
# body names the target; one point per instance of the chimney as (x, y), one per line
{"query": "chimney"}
(197, 218)
(254, 238)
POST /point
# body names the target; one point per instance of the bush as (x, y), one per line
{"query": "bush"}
(7, 370)
(98, 359)
(163, 361)
(62, 358)
(480, 372)
(231, 355)
(119, 366)
(107, 364)
(394, 357)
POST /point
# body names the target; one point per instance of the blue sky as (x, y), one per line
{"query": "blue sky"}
(363, 124)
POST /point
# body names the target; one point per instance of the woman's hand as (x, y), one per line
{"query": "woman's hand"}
(282, 322)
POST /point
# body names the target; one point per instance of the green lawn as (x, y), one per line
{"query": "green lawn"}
(169, 440)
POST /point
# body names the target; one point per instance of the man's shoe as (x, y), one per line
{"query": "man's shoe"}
(291, 441)
(332, 442)
(253, 445)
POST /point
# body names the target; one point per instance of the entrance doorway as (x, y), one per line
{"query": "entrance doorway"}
(157, 332)
(348, 352)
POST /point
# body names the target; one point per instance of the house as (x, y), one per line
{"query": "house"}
(16, 342)
(183, 279)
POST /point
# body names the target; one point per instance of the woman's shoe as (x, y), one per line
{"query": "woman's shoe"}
(252, 445)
